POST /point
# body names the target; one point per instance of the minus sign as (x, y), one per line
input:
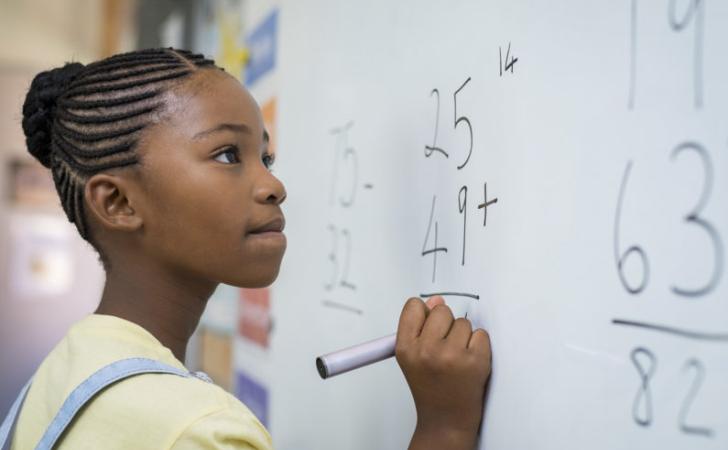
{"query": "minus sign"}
(455, 294)
(341, 306)
(368, 185)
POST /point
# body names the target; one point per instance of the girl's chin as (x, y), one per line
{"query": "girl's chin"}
(258, 280)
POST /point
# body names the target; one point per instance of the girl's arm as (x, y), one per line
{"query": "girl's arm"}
(442, 438)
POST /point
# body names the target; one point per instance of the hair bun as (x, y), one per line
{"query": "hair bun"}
(38, 109)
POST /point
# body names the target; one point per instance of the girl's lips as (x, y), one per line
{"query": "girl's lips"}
(274, 225)
(268, 236)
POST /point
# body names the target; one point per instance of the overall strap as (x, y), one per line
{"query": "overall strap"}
(85, 391)
(92, 385)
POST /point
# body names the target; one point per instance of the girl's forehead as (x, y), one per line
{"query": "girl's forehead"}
(210, 98)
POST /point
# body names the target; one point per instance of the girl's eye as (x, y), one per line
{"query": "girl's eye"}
(230, 155)
(268, 160)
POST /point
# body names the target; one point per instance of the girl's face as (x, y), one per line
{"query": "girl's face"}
(208, 193)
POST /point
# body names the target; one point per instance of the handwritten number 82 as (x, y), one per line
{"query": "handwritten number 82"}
(642, 409)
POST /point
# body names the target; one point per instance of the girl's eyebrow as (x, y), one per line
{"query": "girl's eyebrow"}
(237, 127)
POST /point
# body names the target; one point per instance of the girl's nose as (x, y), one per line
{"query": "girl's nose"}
(270, 190)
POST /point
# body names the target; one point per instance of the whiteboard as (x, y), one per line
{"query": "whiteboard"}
(600, 128)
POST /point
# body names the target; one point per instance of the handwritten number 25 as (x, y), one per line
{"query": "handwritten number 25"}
(457, 120)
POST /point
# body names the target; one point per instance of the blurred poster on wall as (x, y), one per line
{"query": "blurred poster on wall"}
(268, 110)
(221, 311)
(40, 256)
(254, 395)
(216, 357)
(254, 321)
(262, 44)
(172, 30)
(218, 34)
(31, 185)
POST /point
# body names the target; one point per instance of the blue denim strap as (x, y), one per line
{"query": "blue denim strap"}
(84, 392)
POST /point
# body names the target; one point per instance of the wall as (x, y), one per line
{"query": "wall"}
(38, 35)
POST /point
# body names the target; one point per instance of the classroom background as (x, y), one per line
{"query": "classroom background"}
(555, 169)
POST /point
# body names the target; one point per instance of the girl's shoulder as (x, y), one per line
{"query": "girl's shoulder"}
(152, 410)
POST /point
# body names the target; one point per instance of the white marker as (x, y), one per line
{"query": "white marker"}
(362, 355)
(357, 356)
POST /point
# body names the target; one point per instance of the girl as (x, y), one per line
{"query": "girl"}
(160, 160)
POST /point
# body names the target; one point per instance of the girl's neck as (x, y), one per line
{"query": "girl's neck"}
(167, 304)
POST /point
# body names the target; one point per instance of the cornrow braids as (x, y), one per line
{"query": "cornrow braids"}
(81, 120)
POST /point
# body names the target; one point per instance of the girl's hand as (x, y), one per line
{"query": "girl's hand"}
(446, 365)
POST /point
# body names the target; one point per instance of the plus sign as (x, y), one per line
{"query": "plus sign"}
(486, 202)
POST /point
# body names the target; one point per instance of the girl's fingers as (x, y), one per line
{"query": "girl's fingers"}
(460, 333)
(438, 323)
(480, 342)
(411, 320)
(434, 301)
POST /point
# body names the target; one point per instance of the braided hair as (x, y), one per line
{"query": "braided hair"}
(81, 120)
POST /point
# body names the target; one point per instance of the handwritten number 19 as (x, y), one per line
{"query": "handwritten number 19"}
(693, 15)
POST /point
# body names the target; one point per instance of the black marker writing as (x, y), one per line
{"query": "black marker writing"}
(642, 406)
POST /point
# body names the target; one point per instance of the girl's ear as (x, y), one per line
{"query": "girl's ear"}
(108, 201)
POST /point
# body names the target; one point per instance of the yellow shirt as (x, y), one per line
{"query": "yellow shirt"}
(148, 411)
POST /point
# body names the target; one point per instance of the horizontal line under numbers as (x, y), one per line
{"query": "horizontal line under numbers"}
(675, 331)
